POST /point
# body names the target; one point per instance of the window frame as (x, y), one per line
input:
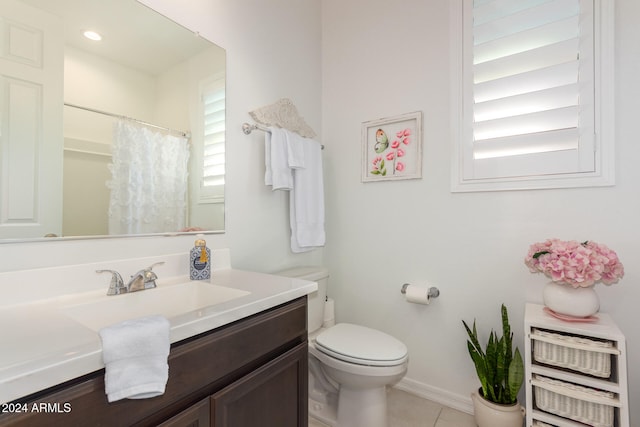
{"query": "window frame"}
(462, 111)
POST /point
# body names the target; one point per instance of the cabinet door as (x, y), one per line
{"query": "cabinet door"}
(274, 395)
(196, 415)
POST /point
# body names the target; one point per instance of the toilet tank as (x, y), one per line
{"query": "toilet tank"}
(315, 309)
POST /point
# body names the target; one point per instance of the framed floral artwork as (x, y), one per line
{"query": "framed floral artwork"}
(392, 148)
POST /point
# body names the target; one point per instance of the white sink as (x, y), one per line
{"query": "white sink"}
(168, 301)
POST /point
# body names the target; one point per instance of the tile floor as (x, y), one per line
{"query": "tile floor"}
(407, 410)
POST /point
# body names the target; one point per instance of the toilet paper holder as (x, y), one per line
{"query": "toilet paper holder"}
(433, 292)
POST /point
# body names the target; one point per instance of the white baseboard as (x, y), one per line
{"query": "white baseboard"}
(435, 394)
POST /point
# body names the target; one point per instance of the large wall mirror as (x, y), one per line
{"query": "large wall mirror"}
(119, 136)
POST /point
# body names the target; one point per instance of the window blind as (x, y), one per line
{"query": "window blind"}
(532, 89)
(213, 99)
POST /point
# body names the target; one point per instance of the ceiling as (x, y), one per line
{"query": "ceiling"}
(133, 34)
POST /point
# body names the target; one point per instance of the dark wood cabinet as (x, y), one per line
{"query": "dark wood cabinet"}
(267, 397)
(197, 415)
(248, 373)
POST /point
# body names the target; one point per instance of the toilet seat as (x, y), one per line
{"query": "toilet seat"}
(361, 345)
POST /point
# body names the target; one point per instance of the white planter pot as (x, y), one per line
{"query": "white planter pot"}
(570, 301)
(489, 414)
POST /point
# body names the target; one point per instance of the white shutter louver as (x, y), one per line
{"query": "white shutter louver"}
(213, 99)
(532, 106)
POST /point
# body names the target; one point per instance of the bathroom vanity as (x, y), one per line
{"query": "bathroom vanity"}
(241, 363)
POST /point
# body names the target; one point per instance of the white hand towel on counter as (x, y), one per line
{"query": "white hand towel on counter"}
(135, 356)
(306, 199)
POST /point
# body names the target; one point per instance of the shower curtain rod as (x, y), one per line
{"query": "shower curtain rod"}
(118, 116)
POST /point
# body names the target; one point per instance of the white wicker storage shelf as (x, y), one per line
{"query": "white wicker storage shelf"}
(572, 352)
(582, 404)
(544, 419)
(572, 377)
(537, 423)
(576, 372)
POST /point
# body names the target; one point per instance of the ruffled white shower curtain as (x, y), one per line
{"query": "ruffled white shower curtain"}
(148, 180)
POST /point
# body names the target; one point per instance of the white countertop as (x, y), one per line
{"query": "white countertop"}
(41, 346)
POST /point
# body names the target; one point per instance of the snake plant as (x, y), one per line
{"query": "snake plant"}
(499, 369)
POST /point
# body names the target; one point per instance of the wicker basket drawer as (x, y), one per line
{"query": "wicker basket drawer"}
(572, 352)
(582, 404)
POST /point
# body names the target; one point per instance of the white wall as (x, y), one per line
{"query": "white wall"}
(384, 58)
(273, 51)
(264, 63)
(95, 82)
(85, 197)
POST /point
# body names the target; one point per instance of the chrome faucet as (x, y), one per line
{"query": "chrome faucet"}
(116, 286)
(143, 279)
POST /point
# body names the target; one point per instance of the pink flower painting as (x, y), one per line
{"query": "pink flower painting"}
(392, 148)
(393, 151)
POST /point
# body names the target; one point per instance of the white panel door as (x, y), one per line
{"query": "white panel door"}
(31, 103)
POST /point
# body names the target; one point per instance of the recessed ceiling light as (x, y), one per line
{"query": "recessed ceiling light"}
(92, 35)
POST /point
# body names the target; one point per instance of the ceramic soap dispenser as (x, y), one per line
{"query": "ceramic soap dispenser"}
(200, 261)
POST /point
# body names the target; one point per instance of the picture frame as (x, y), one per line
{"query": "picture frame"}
(392, 148)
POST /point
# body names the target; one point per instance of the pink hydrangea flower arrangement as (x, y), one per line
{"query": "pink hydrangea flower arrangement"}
(574, 263)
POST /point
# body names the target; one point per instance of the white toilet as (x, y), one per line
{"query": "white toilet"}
(350, 366)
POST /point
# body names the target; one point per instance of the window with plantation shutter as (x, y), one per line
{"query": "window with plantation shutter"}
(213, 173)
(533, 91)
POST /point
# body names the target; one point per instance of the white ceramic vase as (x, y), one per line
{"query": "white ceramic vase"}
(489, 414)
(567, 300)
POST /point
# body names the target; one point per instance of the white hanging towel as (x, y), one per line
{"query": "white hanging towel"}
(278, 168)
(306, 199)
(294, 163)
(295, 150)
(268, 173)
(135, 356)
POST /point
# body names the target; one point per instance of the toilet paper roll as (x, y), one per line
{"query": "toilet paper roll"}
(417, 294)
